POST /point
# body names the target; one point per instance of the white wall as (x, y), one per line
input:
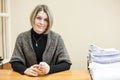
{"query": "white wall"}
(1, 51)
(80, 22)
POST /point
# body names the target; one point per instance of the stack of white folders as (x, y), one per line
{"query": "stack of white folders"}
(104, 64)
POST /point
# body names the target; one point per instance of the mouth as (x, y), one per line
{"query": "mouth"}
(40, 27)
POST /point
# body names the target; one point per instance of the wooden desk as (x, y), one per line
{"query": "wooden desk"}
(5, 64)
(65, 75)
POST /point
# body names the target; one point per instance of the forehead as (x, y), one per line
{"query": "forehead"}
(42, 14)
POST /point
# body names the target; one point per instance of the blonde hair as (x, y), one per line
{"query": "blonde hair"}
(47, 11)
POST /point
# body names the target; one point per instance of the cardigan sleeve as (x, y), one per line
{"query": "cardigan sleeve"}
(63, 55)
(18, 54)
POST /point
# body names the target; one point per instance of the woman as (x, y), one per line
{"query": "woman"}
(40, 51)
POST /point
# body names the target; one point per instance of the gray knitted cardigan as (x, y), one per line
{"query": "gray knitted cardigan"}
(55, 51)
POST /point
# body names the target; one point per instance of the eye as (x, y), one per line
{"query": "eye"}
(46, 20)
(39, 18)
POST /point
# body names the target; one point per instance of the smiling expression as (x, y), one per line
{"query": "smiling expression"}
(40, 22)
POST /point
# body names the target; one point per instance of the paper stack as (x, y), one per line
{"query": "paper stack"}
(104, 64)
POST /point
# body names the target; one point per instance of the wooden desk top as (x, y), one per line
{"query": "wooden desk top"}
(65, 75)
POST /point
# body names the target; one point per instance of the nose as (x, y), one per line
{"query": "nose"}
(41, 21)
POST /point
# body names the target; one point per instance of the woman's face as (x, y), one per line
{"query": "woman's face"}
(41, 22)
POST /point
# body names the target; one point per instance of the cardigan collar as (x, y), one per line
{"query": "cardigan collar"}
(46, 49)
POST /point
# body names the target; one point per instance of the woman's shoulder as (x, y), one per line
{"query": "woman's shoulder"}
(24, 34)
(54, 34)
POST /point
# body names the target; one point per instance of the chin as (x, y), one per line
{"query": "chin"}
(39, 32)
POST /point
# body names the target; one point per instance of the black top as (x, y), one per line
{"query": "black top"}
(39, 43)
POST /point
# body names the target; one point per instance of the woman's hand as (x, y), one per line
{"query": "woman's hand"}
(32, 71)
(36, 70)
(44, 68)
